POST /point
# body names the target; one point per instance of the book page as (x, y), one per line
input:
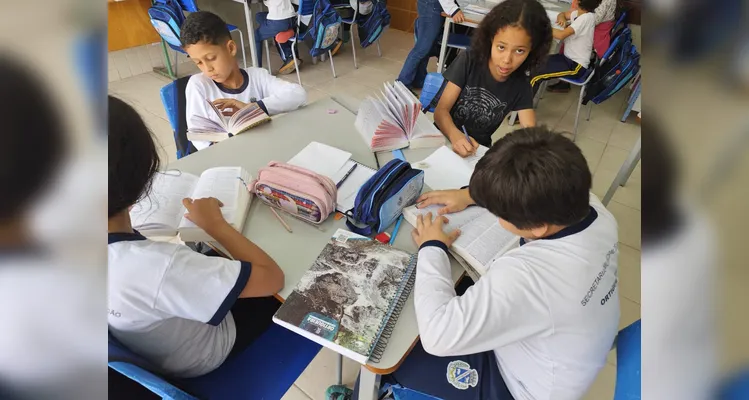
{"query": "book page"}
(202, 124)
(223, 183)
(246, 118)
(424, 128)
(220, 116)
(162, 209)
(397, 109)
(413, 104)
(482, 240)
(367, 119)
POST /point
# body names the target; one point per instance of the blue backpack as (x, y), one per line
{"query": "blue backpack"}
(383, 197)
(324, 27)
(620, 64)
(167, 17)
(370, 27)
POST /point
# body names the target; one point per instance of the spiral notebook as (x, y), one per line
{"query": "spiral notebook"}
(350, 299)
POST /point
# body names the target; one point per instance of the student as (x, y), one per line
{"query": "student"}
(540, 323)
(605, 14)
(489, 81)
(578, 45)
(429, 25)
(207, 41)
(279, 18)
(183, 311)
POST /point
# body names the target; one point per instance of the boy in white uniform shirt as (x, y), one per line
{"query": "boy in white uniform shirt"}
(578, 45)
(539, 324)
(207, 41)
(183, 311)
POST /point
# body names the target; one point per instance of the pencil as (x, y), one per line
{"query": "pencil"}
(395, 230)
(465, 132)
(338, 185)
(285, 225)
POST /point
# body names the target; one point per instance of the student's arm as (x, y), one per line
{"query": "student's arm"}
(524, 107)
(195, 104)
(266, 278)
(562, 34)
(527, 118)
(501, 308)
(279, 96)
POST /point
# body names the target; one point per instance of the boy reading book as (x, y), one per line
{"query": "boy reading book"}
(207, 41)
(183, 311)
(540, 323)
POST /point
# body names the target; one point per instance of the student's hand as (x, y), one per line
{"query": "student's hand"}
(453, 200)
(561, 20)
(229, 106)
(428, 229)
(459, 17)
(463, 147)
(205, 213)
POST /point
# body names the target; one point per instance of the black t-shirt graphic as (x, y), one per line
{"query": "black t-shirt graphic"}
(483, 102)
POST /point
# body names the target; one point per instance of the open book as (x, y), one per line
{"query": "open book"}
(205, 129)
(395, 121)
(162, 212)
(482, 240)
(351, 297)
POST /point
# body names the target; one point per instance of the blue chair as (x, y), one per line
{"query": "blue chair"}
(628, 363)
(434, 84)
(736, 387)
(173, 98)
(265, 370)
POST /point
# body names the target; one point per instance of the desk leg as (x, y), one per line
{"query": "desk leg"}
(250, 33)
(369, 384)
(624, 172)
(443, 48)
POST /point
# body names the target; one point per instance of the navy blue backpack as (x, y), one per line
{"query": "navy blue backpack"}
(620, 64)
(167, 17)
(371, 27)
(383, 197)
(324, 27)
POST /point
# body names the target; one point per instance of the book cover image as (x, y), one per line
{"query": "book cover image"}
(348, 291)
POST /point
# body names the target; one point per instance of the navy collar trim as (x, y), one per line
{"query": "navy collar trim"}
(115, 237)
(239, 90)
(572, 229)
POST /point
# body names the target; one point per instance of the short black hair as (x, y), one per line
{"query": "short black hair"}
(204, 26)
(527, 14)
(34, 139)
(133, 156)
(589, 5)
(533, 177)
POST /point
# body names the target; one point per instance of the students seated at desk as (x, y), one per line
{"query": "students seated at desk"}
(183, 311)
(490, 80)
(208, 43)
(540, 323)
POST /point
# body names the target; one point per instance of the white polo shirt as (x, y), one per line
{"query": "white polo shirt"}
(549, 309)
(579, 46)
(171, 305)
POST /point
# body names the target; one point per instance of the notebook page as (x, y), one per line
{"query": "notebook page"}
(474, 159)
(350, 187)
(321, 158)
(222, 183)
(444, 169)
(162, 209)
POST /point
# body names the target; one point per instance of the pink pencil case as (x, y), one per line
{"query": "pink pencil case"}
(298, 191)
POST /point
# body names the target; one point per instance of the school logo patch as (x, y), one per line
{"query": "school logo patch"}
(460, 375)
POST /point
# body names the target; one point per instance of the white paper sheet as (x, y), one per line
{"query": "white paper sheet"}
(444, 169)
(321, 158)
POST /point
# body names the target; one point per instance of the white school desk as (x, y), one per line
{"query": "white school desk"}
(280, 140)
(250, 30)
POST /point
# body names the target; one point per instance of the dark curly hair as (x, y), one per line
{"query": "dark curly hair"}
(589, 5)
(204, 26)
(527, 14)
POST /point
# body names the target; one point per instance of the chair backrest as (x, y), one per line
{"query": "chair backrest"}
(129, 364)
(628, 363)
(188, 5)
(374, 24)
(434, 84)
(175, 103)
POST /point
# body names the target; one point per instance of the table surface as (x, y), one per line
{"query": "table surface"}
(280, 140)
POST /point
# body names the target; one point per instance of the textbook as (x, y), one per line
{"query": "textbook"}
(205, 129)
(482, 240)
(350, 299)
(395, 121)
(162, 212)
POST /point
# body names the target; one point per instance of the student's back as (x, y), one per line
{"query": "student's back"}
(571, 279)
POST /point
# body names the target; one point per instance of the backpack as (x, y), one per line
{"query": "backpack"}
(370, 27)
(167, 17)
(324, 27)
(383, 197)
(620, 64)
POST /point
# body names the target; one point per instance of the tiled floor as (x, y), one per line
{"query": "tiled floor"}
(604, 140)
